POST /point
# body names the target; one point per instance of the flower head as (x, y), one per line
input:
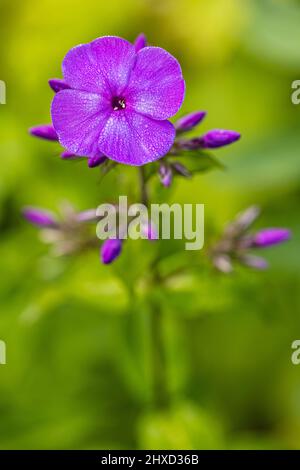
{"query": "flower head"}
(236, 243)
(118, 101)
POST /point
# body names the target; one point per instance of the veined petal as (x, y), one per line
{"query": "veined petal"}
(156, 86)
(102, 66)
(78, 118)
(134, 139)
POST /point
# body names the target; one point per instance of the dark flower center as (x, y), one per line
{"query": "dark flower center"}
(118, 103)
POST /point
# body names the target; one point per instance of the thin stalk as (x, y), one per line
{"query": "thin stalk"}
(143, 186)
(159, 379)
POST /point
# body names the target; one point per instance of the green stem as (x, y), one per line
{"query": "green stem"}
(143, 186)
(159, 379)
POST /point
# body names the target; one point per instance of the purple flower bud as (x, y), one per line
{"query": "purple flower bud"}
(87, 216)
(222, 262)
(271, 236)
(219, 138)
(140, 42)
(166, 175)
(96, 160)
(57, 84)
(255, 262)
(186, 123)
(241, 223)
(181, 169)
(39, 217)
(45, 131)
(69, 155)
(246, 218)
(110, 250)
(150, 231)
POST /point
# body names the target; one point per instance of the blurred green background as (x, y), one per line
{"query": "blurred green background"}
(82, 350)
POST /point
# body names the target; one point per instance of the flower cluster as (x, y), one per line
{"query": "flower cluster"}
(174, 162)
(73, 232)
(237, 242)
(113, 104)
(67, 233)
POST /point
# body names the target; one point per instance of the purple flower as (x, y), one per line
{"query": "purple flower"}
(39, 217)
(140, 42)
(219, 138)
(186, 123)
(110, 250)
(57, 84)
(271, 236)
(45, 131)
(119, 101)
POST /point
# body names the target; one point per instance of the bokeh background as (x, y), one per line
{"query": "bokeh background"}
(83, 352)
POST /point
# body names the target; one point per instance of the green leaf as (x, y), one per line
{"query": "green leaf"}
(198, 161)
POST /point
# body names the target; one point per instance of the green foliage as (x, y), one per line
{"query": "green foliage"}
(105, 356)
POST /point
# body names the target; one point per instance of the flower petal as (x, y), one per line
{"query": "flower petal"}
(78, 118)
(134, 139)
(156, 86)
(102, 66)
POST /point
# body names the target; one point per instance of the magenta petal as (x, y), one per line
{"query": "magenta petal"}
(78, 118)
(156, 86)
(134, 139)
(102, 66)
